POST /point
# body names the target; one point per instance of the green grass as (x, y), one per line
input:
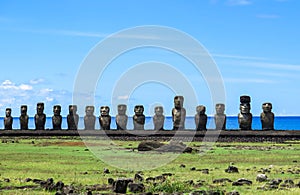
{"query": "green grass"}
(69, 160)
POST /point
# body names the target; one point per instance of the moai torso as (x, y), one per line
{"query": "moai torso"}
(56, 118)
(121, 118)
(40, 117)
(200, 118)
(267, 117)
(104, 118)
(8, 119)
(89, 118)
(220, 117)
(178, 113)
(158, 118)
(138, 118)
(245, 117)
(72, 118)
(24, 118)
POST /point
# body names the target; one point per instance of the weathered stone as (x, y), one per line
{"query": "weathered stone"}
(104, 118)
(136, 187)
(149, 145)
(89, 118)
(121, 118)
(24, 118)
(222, 180)
(158, 118)
(178, 113)
(233, 193)
(72, 118)
(232, 169)
(220, 117)
(110, 181)
(200, 118)
(138, 118)
(40, 117)
(267, 117)
(261, 178)
(245, 117)
(241, 182)
(56, 118)
(120, 185)
(8, 119)
(138, 177)
(106, 171)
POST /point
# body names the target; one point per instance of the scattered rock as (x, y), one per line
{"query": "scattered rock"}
(222, 180)
(136, 187)
(110, 181)
(205, 171)
(138, 177)
(295, 161)
(120, 185)
(106, 171)
(182, 166)
(275, 182)
(150, 179)
(6, 180)
(149, 145)
(232, 169)
(28, 179)
(193, 168)
(261, 178)
(37, 181)
(167, 174)
(241, 182)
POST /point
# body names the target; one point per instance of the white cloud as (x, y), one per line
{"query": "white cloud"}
(9, 85)
(36, 81)
(49, 99)
(238, 2)
(237, 57)
(124, 97)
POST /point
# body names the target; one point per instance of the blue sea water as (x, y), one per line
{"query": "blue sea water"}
(281, 123)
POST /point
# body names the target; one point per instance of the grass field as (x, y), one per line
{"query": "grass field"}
(70, 161)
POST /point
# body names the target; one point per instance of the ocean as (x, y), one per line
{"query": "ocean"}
(281, 123)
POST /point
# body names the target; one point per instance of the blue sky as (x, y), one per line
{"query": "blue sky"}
(255, 44)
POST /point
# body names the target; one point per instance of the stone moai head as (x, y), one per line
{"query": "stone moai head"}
(178, 102)
(267, 107)
(159, 110)
(56, 110)
(89, 110)
(245, 104)
(40, 108)
(23, 110)
(104, 110)
(220, 108)
(72, 109)
(8, 112)
(139, 110)
(122, 109)
(200, 109)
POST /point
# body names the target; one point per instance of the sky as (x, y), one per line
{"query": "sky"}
(254, 43)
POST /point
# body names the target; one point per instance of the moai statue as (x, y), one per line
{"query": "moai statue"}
(158, 118)
(178, 113)
(56, 118)
(267, 117)
(220, 117)
(104, 118)
(200, 118)
(245, 117)
(8, 119)
(89, 118)
(40, 117)
(121, 118)
(24, 118)
(138, 118)
(72, 118)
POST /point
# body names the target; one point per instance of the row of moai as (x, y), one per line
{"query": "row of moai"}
(178, 117)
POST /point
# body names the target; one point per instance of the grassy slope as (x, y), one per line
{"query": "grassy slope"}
(70, 162)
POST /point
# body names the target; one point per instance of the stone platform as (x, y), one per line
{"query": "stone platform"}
(183, 135)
